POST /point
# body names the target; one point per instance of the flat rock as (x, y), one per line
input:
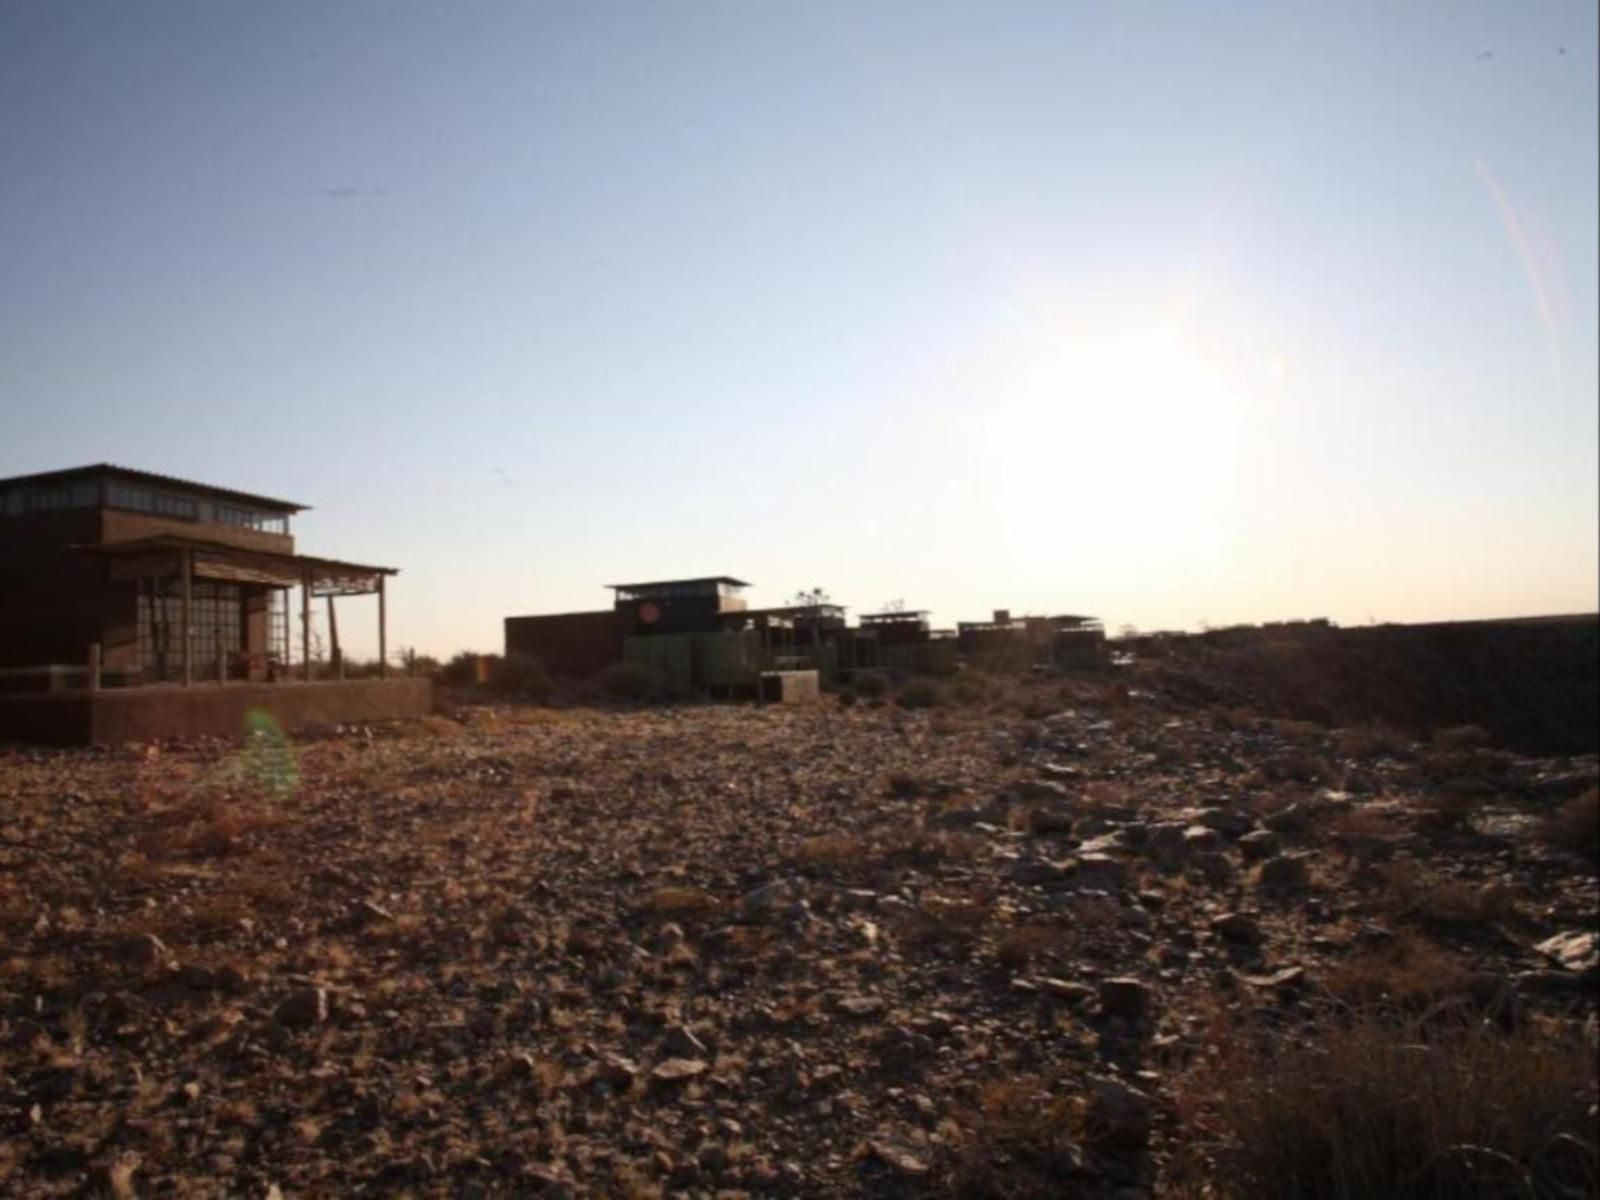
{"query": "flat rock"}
(677, 1070)
(303, 1008)
(1575, 949)
(1124, 996)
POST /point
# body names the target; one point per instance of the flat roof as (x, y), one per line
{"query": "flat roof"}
(661, 583)
(909, 614)
(790, 610)
(210, 489)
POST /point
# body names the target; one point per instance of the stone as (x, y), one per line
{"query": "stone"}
(616, 1072)
(1164, 839)
(1101, 870)
(860, 1006)
(1285, 873)
(678, 1070)
(142, 951)
(303, 1008)
(1118, 1116)
(1065, 991)
(1259, 844)
(1293, 818)
(680, 1042)
(1237, 927)
(1224, 820)
(1201, 837)
(898, 1157)
(1575, 949)
(1037, 872)
(1124, 996)
(1049, 820)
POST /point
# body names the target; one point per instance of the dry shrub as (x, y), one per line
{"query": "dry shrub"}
(1370, 1108)
(1022, 1144)
(1409, 975)
(945, 922)
(1369, 742)
(831, 851)
(1447, 811)
(870, 685)
(926, 848)
(1024, 944)
(1411, 891)
(1233, 720)
(1576, 825)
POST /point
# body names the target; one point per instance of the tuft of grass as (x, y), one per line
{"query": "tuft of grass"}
(1371, 1107)
(1408, 975)
(1413, 892)
(1022, 1143)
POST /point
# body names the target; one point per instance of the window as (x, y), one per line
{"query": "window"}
(216, 624)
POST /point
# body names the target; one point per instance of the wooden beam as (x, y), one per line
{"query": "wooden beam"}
(187, 632)
(383, 633)
(305, 625)
(333, 639)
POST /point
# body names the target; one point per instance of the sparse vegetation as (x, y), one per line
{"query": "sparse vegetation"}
(1349, 1110)
(989, 954)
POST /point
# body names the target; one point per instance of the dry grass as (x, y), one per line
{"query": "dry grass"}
(1410, 891)
(1023, 945)
(1021, 1144)
(1408, 975)
(1366, 1109)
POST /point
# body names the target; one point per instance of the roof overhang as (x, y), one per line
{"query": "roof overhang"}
(163, 556)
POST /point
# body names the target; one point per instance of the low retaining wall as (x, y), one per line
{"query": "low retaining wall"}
(204, 710)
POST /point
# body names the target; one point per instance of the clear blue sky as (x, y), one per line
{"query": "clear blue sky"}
(1165, 312)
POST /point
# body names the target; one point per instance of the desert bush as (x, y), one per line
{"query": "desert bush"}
(870, 685)
(467, 669)
(1022, 1144)
(1369, 742)
(1351, 1110)
(1407, 975)
(521, 675)
(1023, 944)
(922, 693)
(629, 681)
(972, 688)
(1576, 825)
(1411, 891)
(831, 851)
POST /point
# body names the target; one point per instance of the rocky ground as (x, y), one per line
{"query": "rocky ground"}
(728, 951)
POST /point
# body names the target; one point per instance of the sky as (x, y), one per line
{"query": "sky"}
(1175, 314)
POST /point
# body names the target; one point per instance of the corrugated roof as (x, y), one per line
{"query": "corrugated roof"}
(209, 489)
(168, 541)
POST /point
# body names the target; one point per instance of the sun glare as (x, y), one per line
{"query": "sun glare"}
(1133, 431)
